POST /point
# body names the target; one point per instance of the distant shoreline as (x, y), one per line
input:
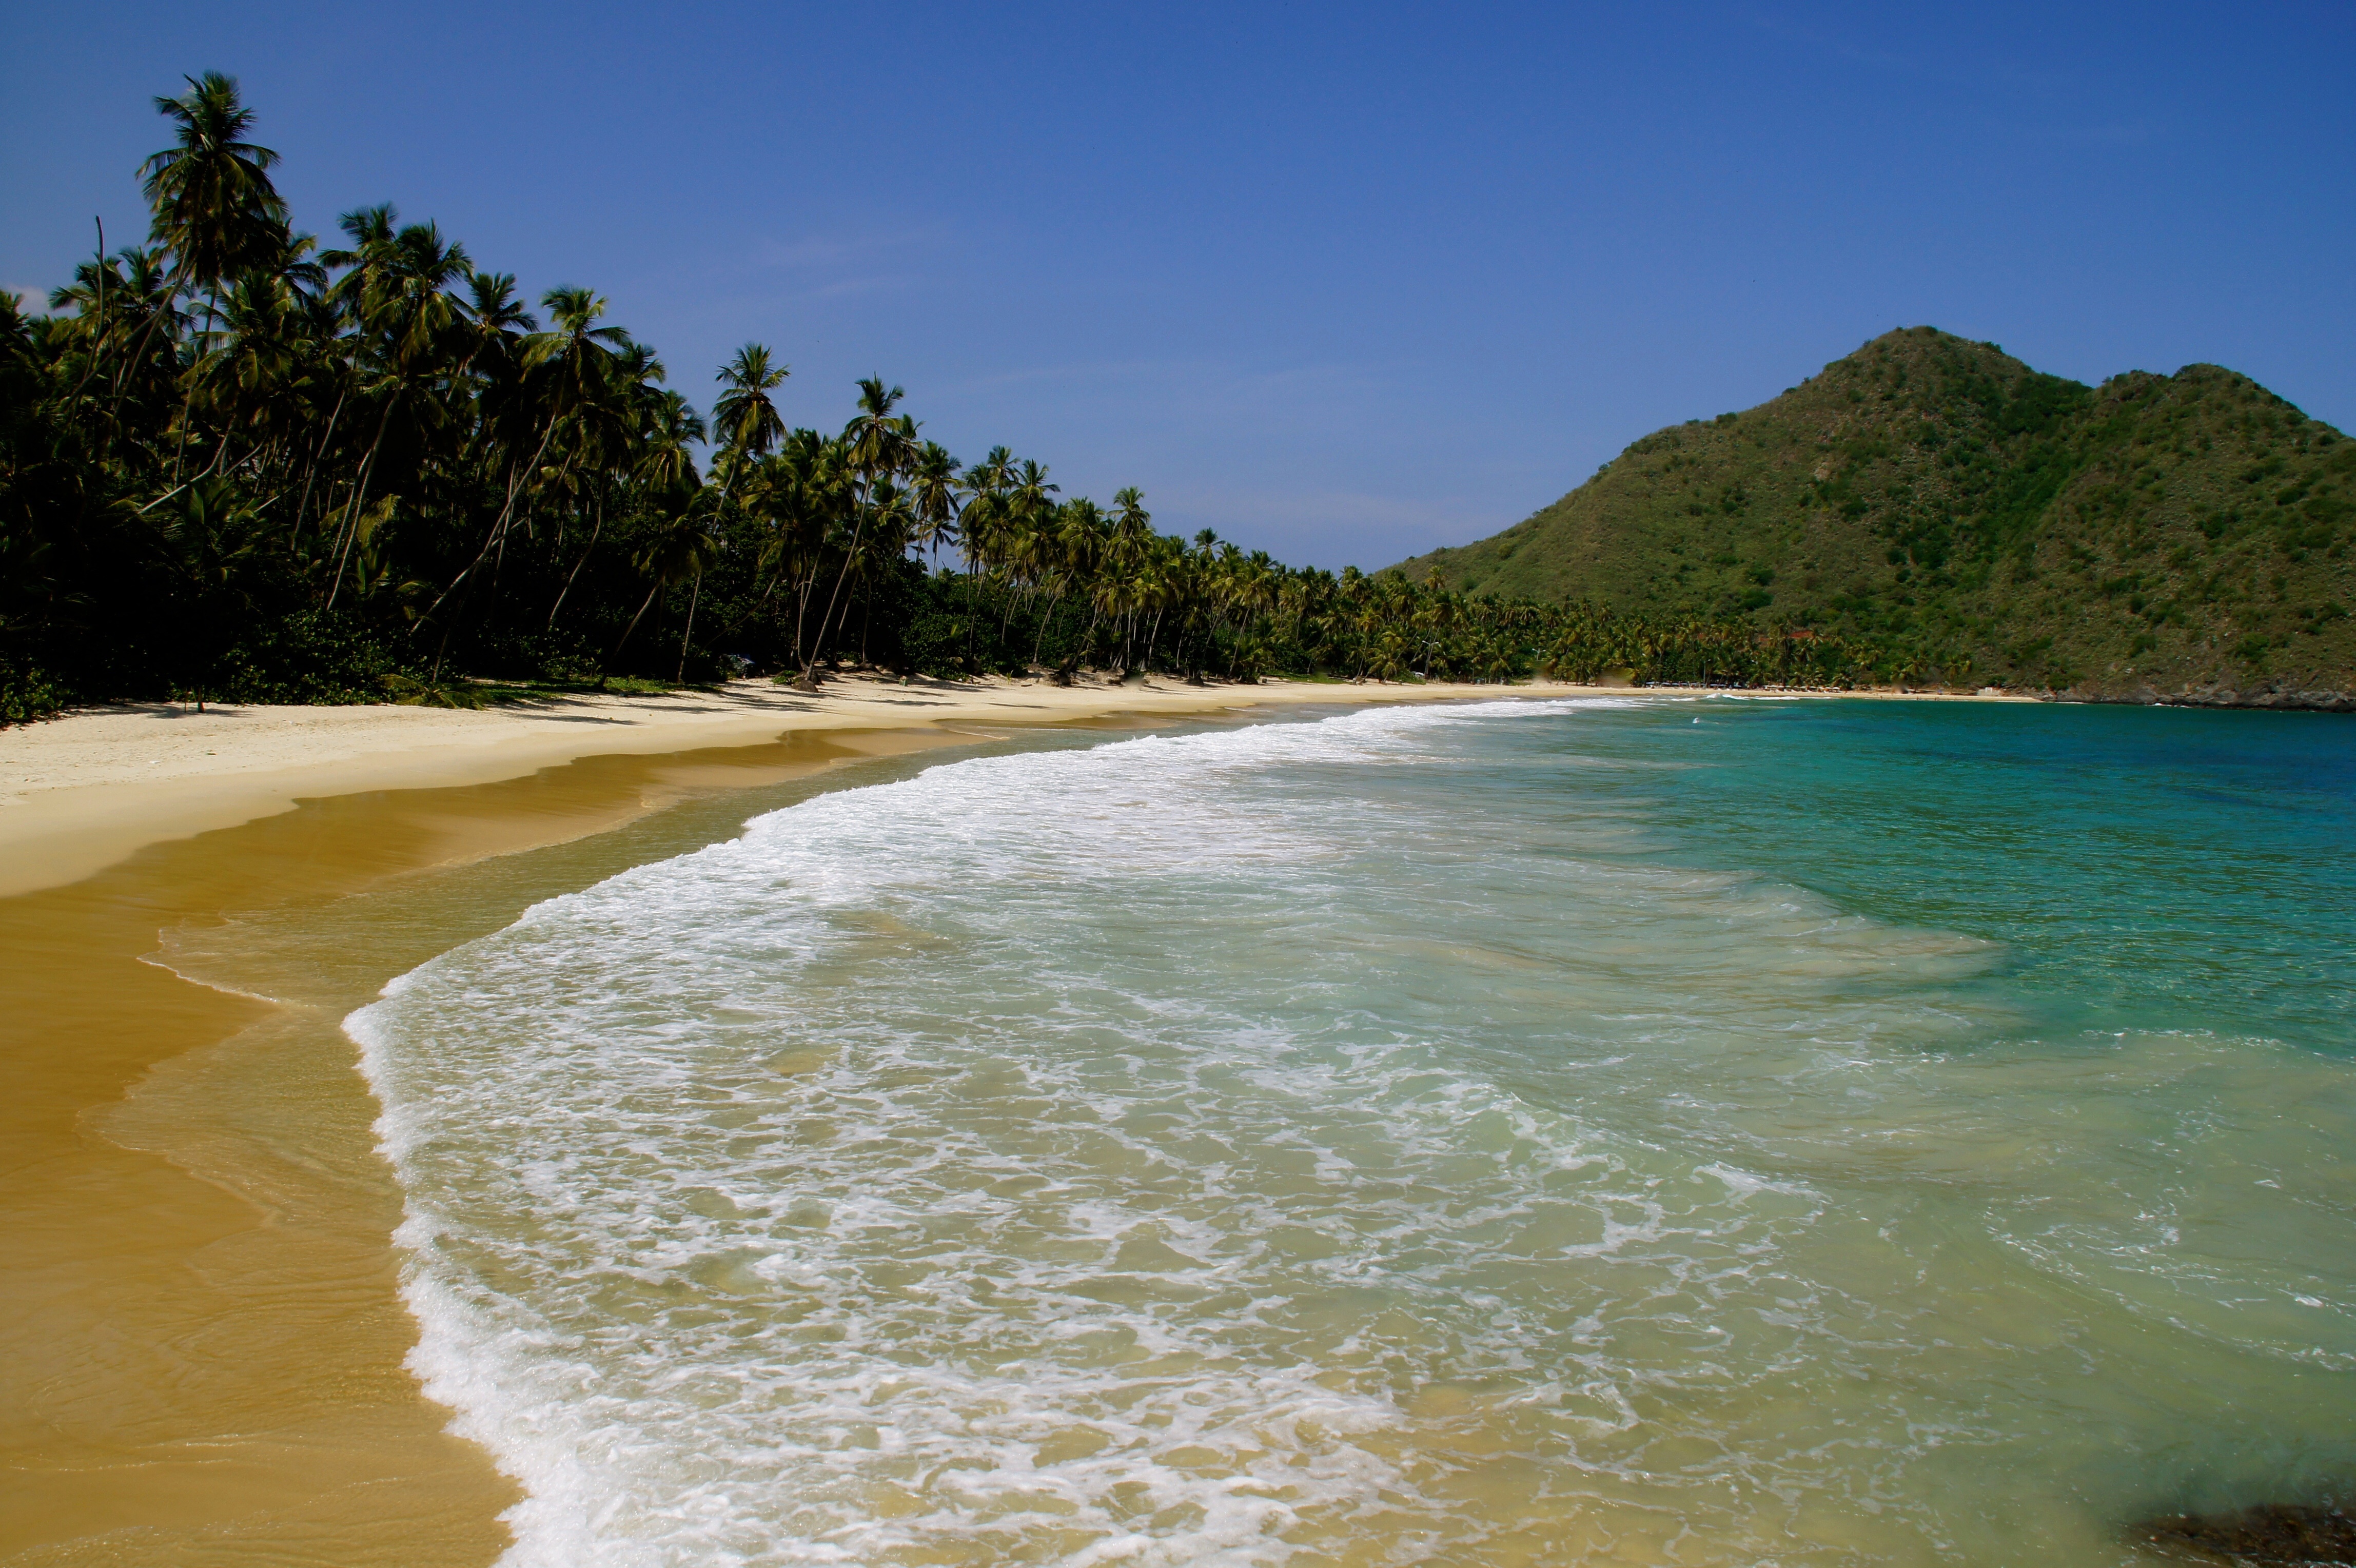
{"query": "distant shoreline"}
(81, 791)
(86, 790)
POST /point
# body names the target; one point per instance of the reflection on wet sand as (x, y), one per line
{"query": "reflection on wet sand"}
(200, 1345)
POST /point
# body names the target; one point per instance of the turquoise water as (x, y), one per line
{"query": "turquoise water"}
(2146, 868)
(1632, 1130)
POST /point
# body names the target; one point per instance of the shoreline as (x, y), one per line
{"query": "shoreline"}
(202, 1345)
(205, 1346)
(203, 1350)
(80, 792)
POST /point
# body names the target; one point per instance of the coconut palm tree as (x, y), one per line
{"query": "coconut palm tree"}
(680, 551)
(743, 420)
(936, 499)
(397, 293)
(567, 371)
(876, 446)
(216, 210)
(656, 444)
(215, 207)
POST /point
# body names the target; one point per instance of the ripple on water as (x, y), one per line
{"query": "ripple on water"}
(1326, 1142)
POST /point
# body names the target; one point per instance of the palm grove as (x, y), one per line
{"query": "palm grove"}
(237, 464)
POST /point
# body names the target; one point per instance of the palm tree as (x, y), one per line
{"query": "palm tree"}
(656, 444)
(215, 207)
(397, 293)
(877, 444)
(743, 420)
(566, 369)
(935, 497)
(680, 551)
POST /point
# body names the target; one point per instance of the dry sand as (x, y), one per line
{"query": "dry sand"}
(80, 792)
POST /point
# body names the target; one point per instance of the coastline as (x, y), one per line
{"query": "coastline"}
(201, 1345)
(203, 1337)
(80, 792)
(202, 1350)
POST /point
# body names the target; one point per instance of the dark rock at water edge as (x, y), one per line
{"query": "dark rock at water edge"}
(2267, 1536)
(2282, 697)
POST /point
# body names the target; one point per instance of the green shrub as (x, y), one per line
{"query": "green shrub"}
(27, 696)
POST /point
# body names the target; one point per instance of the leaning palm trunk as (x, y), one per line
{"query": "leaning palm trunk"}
(692, 594)
(188, 403)
(801, 607)
(349, 533)
(849, 556)
(585, 550)
(114, 413)
(497, 535)
(1040, 641)
(311, 470)
(634, 622)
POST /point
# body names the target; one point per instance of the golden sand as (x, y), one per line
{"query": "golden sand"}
(80, 792)
(201, 1349)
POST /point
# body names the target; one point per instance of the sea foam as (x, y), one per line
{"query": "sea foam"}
(1318, 1142)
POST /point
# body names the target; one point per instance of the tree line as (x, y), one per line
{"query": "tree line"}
(239, 465)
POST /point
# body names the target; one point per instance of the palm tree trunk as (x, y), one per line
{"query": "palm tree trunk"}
(1041, 641)
(801, 607)
(100, 320)
(187, 404)
(692, 594)
(498, 527)
(350, 530)
(972, 606)
(114, 413)
(634, 622)
(848, 555)
(585, 550)
(311, 470)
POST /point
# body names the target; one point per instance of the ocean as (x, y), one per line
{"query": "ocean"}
(1620, 1130)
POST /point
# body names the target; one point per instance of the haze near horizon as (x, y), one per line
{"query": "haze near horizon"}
(1344, 286)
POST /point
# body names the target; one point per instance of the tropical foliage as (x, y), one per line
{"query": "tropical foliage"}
(236, 464)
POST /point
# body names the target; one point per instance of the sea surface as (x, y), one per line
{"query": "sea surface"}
(1626, 1130)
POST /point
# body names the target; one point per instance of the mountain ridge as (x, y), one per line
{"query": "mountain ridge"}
(2177, 538)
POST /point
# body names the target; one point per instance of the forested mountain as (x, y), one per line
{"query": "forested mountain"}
(2183, 537)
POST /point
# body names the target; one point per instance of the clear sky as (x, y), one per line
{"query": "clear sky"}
(1343, 283)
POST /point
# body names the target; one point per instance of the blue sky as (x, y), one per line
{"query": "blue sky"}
(1340, 282)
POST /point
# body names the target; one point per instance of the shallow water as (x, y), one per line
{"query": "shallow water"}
(1617, 1131)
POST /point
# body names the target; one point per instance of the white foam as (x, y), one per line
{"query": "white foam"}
(1193, 1149)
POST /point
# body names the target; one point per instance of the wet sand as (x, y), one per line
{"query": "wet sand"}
(201, 1346)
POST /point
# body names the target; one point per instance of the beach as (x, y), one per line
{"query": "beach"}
(78, 794)
(203, 1346)
(210, 1358)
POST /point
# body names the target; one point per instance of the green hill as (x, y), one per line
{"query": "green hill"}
(2179, 537)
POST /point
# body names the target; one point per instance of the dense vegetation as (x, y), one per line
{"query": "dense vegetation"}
(2179, 536)
(235, 465)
